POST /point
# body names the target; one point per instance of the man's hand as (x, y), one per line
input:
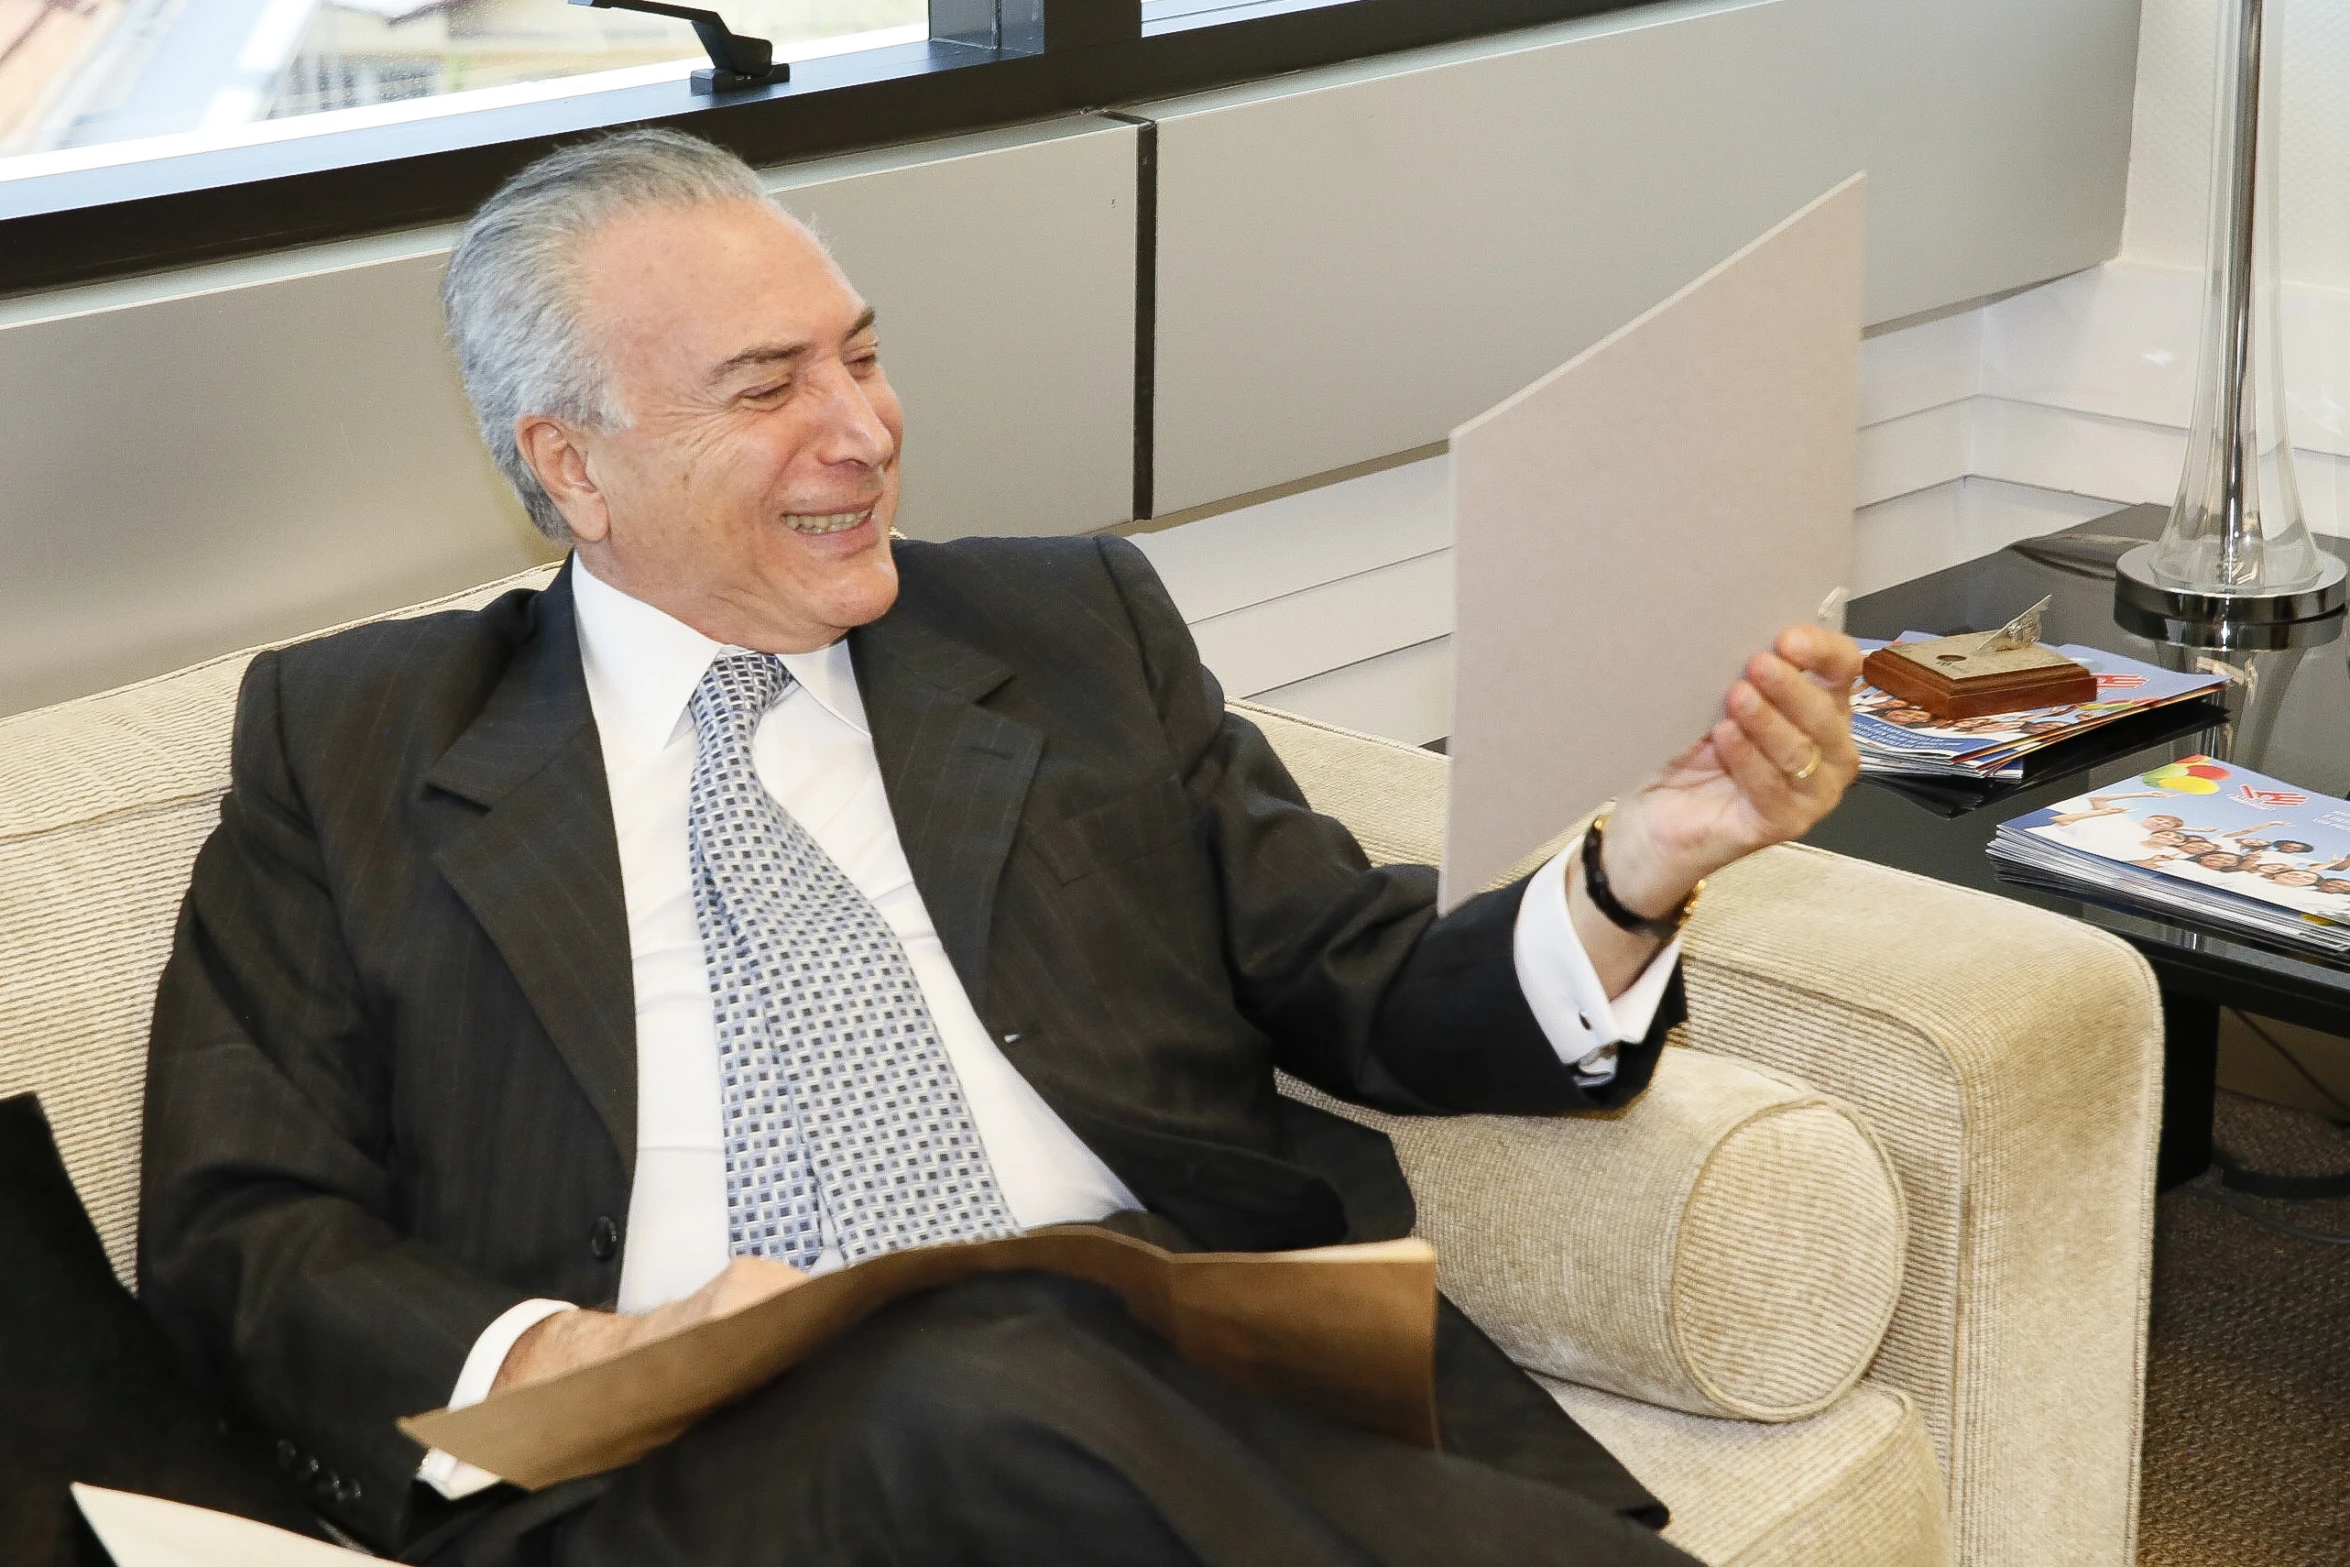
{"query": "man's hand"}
(1778, 761)
(571, 1339)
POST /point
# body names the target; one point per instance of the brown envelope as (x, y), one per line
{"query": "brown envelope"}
(1348, 1330)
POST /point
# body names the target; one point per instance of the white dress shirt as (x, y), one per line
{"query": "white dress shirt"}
(815, 756)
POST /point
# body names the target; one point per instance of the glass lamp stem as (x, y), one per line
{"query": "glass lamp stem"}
(2239, 537)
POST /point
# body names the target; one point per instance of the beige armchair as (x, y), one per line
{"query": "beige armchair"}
(1861, 1279)
(2006, 1062)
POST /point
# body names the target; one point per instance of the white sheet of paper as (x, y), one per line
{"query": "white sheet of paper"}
(1634, 526)
(147, 1531)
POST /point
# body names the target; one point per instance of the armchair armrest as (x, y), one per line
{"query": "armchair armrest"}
(1728, 1244)
(2010, 1062)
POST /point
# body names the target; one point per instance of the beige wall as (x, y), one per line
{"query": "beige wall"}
(1351, 261)
(242, 452)
(2170, 158)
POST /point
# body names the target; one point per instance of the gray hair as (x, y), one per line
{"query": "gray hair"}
(511, 297)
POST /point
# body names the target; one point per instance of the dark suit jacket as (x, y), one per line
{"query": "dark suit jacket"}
(393, 1082)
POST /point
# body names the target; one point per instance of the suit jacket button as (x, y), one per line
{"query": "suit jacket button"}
(343, 1490)
(288, 1455)
(604, 1239)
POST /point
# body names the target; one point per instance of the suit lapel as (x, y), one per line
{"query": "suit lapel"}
(541, 869)
(957, 774)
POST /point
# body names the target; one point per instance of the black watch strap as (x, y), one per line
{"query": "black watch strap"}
(1603, 897)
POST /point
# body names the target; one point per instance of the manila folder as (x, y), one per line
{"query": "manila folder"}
(1347, 1330)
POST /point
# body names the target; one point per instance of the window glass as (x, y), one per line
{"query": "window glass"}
(86, 73)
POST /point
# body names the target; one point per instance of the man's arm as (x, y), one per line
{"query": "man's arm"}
(1366, 992)
(271, 1248)
(1593, 993)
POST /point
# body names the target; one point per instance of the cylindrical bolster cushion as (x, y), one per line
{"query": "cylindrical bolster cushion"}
(1728, 1244)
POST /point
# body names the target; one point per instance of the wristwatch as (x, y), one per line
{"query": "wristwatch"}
(1603, 897)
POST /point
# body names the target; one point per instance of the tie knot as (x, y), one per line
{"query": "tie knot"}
(737, 690)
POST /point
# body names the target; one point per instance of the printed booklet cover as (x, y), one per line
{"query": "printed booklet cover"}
(1895, 737)
(2200, 837)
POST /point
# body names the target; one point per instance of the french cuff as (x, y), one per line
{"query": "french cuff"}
(453, 1477)
(1563, 989)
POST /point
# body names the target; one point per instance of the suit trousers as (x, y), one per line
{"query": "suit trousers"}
(1026, 1418)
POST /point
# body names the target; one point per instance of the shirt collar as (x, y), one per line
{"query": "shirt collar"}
(642, 666)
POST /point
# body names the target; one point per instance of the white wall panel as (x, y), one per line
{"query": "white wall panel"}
(1405, 695)
(2170, 155)
(1345, 621)
(184, 475)
(1284, 546)
(233, 453)
(1354, 260)
(1928, 530)
(1005, 282)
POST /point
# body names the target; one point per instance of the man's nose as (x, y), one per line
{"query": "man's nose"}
(852, 431)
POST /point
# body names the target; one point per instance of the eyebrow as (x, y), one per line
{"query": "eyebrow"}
(781, 353)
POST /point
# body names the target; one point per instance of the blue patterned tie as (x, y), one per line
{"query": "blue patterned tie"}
(839, 1098)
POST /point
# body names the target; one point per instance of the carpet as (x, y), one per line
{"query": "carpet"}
(2247, 1458)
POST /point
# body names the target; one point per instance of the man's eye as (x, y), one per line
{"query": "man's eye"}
(768, 393)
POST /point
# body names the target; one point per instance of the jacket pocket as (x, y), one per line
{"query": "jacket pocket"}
(1126, 828)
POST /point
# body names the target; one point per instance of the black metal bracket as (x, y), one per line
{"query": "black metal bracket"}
(736, 62)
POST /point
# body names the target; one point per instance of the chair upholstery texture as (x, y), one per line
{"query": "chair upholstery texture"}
(2008, 1060)
(2016, 1077)
(1728, 1244)
(2008, 1085)
(104, 802)
(1855, 1486)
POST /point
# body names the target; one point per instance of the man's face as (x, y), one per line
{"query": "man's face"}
(750, 490)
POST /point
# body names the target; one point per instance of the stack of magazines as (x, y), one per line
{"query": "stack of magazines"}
(2209, 840)
(1898, 740)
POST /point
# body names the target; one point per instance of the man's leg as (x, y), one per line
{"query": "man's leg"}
(1027, 1418)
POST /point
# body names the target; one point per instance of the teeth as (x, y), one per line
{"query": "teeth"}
(836, 522)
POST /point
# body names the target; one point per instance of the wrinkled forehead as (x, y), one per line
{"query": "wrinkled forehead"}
(666, 289)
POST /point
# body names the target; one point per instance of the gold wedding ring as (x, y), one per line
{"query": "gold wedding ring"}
(1809, 767)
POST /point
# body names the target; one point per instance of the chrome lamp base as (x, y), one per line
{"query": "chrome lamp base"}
(2203, 618)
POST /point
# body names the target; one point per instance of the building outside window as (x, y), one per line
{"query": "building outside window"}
(89, 73)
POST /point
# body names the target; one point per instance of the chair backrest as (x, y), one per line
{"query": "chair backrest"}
(103, 803)
(105, 800)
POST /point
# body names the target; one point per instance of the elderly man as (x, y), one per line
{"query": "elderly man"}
(766, 894)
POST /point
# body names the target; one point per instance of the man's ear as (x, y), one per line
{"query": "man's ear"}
(553, 451)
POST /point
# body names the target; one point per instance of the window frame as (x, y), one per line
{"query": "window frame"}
(987, 63)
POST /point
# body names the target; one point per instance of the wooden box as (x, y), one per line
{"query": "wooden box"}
(1959, 677)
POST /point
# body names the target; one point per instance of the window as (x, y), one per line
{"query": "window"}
(174, 75)
(142, 134)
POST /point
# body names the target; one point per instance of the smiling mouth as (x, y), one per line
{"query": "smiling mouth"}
(830, 522)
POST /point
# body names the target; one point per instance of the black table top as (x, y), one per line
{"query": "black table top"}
(2287, 713)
